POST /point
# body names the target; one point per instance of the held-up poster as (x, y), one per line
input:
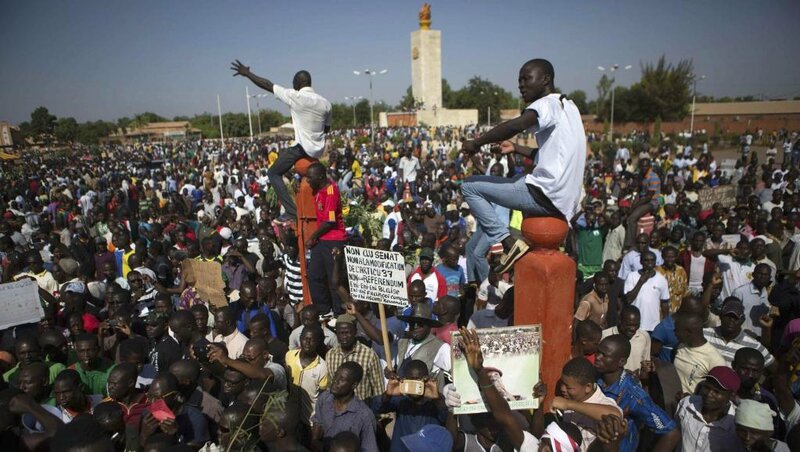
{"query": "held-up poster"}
(206, 278)
(376, 276)
(512, 355)
(19, 303)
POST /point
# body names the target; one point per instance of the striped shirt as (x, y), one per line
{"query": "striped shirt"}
(372, 383)
(293, 280)
(729, 349)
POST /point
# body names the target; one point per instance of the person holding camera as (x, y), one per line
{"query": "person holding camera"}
(415, 398)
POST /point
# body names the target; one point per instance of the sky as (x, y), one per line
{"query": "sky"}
(93, 59)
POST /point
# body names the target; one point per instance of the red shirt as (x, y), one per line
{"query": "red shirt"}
(328, 205)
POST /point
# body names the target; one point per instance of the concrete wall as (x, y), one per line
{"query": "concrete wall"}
(444, 117)
(426, 67)
(726, 124)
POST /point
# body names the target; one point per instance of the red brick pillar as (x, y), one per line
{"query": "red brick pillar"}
(544, 290)
(306, 220)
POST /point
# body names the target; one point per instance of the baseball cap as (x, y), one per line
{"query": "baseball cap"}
(226, 233)
(725, 377)
(430, 438)
(426, 253)
(388, 203)
(733, 306)
(345, 318)
(451, 208)
(464, 205)
(76, 287)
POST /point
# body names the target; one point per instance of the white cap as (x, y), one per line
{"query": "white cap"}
(225, 233)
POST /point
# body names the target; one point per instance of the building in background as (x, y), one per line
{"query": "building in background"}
(157, 131)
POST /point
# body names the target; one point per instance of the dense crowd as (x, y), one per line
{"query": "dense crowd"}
(687, 316)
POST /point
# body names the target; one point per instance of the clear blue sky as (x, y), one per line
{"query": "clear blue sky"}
(94, 59)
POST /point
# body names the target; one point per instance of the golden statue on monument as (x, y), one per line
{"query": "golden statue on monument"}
(425, 16)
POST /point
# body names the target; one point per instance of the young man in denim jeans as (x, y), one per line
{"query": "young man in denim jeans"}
(553, 188)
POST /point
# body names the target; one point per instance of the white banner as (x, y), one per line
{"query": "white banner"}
(19, 303)
(376, 276)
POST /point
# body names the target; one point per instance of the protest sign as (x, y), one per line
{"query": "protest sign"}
(206, 278)
(725, 195)
(513, 355)
(376, 276)
(19, 303)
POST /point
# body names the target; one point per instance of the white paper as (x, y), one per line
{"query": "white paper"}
(19, 303)
(376, 276)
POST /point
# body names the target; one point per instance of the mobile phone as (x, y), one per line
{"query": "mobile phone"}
(412, 387)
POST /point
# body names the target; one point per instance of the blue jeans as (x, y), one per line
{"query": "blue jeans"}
(477, 247)
(285, 162)
(480, 191)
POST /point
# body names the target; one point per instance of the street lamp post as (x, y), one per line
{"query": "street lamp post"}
(489, 110)
(258, 110)
(371, 73)
(353, 100)
(612, 69)
(694, 96)
(249, 117)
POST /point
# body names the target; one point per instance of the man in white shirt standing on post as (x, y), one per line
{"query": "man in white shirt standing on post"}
(311, 117)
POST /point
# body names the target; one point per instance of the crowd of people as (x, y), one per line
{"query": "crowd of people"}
(687, 316)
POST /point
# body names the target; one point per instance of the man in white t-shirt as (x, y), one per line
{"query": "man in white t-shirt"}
(648, 290)
(553, 189)
(311, 118)
(408, 166)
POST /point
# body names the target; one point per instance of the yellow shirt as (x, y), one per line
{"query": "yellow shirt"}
(313, 379)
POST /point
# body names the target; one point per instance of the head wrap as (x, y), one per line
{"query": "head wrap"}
(755, 415)
(559, 440)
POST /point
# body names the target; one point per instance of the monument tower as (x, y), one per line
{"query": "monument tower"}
(426, 83)
(426, 62)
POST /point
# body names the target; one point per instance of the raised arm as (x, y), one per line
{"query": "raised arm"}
(240, 69)
(498, 406)
(503, 131)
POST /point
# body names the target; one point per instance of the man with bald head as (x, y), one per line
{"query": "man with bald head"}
(695, 356)
(225, 326)
(553, 188)
(187, 371)
(663, 339)
(635, 402)
(311, 117)
(447, 310)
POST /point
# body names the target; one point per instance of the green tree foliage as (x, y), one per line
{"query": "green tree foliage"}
(603, 96)
(579, 97)
(66, 130)
(667, 89)
(483, 94)
(143, 119)
(92, 132)
(664, 91)
(42, 122)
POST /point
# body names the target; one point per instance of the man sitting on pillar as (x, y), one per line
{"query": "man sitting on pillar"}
(311, 117)
(554, 186)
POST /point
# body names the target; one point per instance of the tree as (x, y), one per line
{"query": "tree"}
(603, 95)
(42, 122)
(579, 97)
(483, 95)
(667, 89)
(66, 130)
(143, 119)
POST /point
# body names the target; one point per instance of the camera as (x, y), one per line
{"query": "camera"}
(200, 349)
(412, 387)
(113, 323)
